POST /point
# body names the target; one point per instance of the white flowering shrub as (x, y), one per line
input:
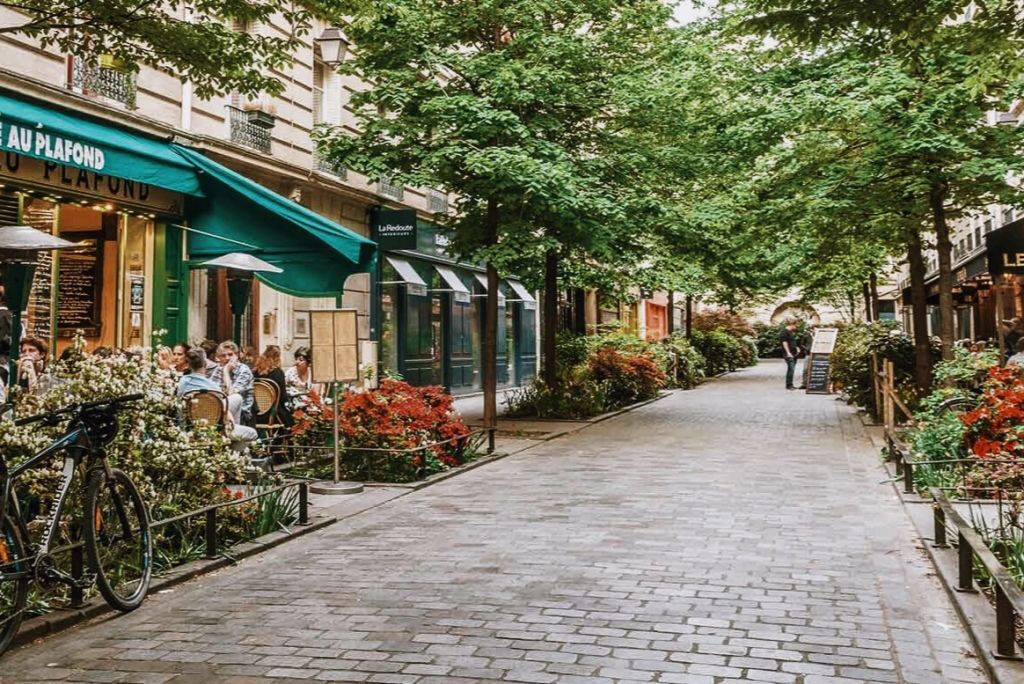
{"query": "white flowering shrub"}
(176, 468)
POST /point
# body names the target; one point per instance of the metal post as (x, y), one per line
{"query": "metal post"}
(337, 447)
(211, 533)
(77, 571)
(303, 503)
(490, 440)
(940, 528)
(908, 477)
(966, 565)
(1005, 627)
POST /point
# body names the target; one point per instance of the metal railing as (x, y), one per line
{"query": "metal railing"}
(437, 201)
(1009, 598)
(95, 80)
(388, 188)
(243, 131)
(326, 166)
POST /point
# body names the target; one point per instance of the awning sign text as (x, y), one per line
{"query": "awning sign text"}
(38, 143)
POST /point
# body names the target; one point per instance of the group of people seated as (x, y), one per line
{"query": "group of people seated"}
(211, 366)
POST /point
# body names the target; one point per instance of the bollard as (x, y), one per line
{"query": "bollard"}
(1005, 627)
(303, 503)
(966, 565)
(490, 439)
(211, 533)
(940, 528)
(908, 477)
(77, 570)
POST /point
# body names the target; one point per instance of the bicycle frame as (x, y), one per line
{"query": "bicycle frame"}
(75, 444)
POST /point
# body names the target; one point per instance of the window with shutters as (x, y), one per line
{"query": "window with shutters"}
(326, 97)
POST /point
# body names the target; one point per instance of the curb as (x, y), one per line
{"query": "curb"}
(442, 476)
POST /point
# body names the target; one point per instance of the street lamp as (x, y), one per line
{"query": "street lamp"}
(333, 45)
(240, 269)
(19, 252)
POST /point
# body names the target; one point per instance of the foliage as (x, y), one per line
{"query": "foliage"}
(966, 370)
(726, 321)
(680, 361)
(395, 433)
(995, 428)
(193, 40)
(628, 378)
(722, 352)
(576, 396)
(769, 337)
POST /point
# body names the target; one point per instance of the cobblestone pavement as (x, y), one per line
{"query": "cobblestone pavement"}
(734, 532)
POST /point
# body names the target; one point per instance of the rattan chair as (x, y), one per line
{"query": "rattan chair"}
(209, 406)
(272, 431)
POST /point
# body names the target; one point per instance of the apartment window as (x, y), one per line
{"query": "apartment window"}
(437, 201)
(970, 242)
(1007, 215)
(977, 236)
(988, 225)
(106, 78)
(389, 188)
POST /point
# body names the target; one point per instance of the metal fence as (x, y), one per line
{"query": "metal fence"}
(95, 80)
(243, 131)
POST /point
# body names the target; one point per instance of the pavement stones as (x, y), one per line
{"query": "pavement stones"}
(737, 532)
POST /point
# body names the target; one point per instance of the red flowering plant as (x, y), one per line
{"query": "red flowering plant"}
(383, 431)
(628, 378)
(994, 435)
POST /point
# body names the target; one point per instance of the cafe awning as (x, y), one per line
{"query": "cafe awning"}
(61, 137)
(522, 294)
(240, 215)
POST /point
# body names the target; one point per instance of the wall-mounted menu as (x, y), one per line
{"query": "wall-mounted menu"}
(79, 292)
(40, 214)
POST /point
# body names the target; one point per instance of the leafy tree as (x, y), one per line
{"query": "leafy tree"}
(194, 40)
(505, 104)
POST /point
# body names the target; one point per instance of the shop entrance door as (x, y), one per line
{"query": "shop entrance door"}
(461, 358)
(422, 363)
(526, 343)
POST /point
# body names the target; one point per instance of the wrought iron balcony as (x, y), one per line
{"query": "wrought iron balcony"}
(105, 79)
(250, 130)
(388, 188)
(437, 201)
(326, 166)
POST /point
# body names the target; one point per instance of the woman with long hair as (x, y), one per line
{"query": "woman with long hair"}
(268, 367)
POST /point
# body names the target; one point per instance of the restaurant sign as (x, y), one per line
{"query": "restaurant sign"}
(62, 179)
(1005, 249)
(37, 142)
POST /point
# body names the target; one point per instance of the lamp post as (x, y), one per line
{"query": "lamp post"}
(19, 252)
(240, 269)
(333, 45)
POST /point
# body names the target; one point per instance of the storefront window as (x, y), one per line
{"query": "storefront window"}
(388, 321)
(136, 290)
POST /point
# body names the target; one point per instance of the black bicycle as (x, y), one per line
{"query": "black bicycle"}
(114, 529)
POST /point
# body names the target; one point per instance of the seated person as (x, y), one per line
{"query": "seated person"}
(235, 380)
(32, 375)
(1018, 358)
(196, 379)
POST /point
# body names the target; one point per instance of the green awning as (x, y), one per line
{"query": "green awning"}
(59, 136)
(240, 215)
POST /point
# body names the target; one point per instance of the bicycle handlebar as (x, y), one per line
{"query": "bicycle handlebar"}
(53, 415)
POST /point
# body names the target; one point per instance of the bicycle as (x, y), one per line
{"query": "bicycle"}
(115, 526)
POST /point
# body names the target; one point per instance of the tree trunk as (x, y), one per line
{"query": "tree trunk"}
(919, 304)
(689, 316)
(550, 331)
(873, 286)
(944, 247)
(671, 322)
(867, 302)
(489, 379)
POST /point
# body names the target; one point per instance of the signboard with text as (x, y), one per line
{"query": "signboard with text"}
(395, 228)
(334, 338)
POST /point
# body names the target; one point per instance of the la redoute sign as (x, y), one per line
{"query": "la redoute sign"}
(37, 142)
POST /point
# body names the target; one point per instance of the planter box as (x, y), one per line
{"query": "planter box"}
(260, 118)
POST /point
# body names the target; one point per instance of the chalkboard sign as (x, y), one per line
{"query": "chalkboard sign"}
(79, 287)
(818, 372)
(38, 322)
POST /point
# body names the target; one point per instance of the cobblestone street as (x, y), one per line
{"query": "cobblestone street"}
(733, 532)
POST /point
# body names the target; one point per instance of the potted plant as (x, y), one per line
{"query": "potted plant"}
(108, 61)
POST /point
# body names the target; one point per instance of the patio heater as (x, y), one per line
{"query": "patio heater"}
(240, 275)
(19, 252)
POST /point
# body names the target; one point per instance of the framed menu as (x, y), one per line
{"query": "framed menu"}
(80, 286)
(335, 345)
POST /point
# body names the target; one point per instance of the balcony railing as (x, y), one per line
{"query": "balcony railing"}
(108, 82)
(326, 166)
(243, 131)
(388, 188)
(437, 201)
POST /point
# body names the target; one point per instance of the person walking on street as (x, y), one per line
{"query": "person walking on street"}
(790, 350)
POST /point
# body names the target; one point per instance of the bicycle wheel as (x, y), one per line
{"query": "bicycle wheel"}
(13, 583)
(117, 539)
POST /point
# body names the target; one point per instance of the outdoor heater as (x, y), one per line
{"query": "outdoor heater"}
(19, 252)
(240, 275)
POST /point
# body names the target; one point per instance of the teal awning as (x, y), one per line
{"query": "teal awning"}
(240, 215)
(59, 136)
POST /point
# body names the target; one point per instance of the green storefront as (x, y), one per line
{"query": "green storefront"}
(430, 313)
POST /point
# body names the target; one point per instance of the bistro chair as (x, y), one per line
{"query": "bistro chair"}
(209, 406)
(267, 401)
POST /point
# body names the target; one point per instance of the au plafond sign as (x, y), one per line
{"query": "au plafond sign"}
(38, 142)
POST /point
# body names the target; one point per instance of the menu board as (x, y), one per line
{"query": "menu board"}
(335, 345)
(79, 293)
(824, 341)
(40, 215)
(818, 373)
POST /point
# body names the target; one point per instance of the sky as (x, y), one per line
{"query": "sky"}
(687, 12)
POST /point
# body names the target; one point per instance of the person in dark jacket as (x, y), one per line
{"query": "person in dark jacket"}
(268, 367)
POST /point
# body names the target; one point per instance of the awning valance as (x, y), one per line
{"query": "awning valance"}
(240, 215)
(60, 137)
(406, 273)
(522, 294)
(451, 279)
